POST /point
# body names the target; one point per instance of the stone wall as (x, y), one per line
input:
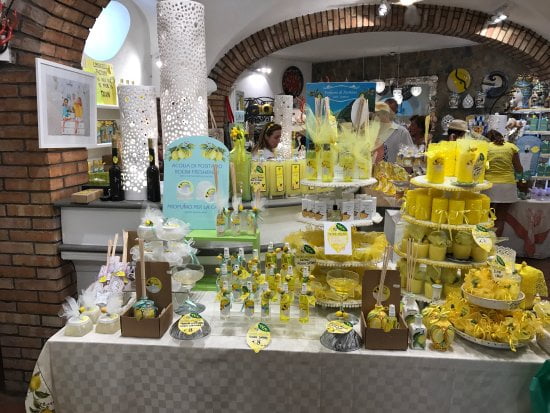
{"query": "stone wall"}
(478, 60)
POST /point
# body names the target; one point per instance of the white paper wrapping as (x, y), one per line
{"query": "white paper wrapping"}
(181, 37)
(283, 116)
(138, 123)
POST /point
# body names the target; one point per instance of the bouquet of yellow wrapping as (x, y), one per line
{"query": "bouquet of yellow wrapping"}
(386, 173)
(532, 283)
(514, 328)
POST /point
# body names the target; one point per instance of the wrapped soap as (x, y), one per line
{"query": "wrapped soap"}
(87, 301)
(109, 322)
(77, 325)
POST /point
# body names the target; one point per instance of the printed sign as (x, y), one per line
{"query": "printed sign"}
(189, 185)
(337, 238)
(105, 77)
(258, 337)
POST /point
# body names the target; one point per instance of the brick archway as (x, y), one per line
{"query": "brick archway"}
(519, 42)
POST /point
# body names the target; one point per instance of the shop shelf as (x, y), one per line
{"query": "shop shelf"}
(435, 225)
(537, 132)
(112, 107)
(529, 111)
(442, 264)
(377, 218)
(339, 184)
(448, 185)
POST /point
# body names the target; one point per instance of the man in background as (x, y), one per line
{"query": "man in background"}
(391, 136)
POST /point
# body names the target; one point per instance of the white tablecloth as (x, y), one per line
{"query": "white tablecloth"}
(110, 373)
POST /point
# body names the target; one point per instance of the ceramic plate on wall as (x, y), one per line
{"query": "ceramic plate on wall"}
(459, 80)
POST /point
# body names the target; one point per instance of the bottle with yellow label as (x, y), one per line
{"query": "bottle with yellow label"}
(258, 175)
(284, 304)
(346, 162)
(265, 302)
(327, 164)
(303, 304)
(294, 172)
(312, 166)
(275, 178)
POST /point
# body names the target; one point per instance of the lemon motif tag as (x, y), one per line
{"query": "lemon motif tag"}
(482, 237)
(339, 327)
(190, 323)
(154, 285)
(258, 337)
(337, 238)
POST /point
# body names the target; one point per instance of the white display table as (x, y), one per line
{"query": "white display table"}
(294, 374)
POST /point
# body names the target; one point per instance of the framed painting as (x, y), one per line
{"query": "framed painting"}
(66, 104)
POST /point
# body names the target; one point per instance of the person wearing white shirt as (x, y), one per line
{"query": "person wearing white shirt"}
(391, 135)
(270, 137)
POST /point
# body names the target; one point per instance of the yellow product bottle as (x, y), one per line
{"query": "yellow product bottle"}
(473, 212)
(275, 178)
(284, 304)
(345, 161)
(311, 164)
(435, 172)
(241, 159)
(258, 178)
(456, 212)
(440, 207)
(363, 165)
(303, 304)
(327, 164)
(423, 206)
(293, 175)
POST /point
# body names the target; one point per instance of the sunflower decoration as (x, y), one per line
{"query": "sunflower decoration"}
(182, 151)
(212, 152)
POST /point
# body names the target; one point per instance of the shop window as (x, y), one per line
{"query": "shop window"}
(109, 32)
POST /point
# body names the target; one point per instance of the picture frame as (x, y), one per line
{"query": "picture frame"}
(66, 105)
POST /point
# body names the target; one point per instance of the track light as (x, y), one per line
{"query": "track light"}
(384, 8)
(499, 16)
(265, 70)
(416, 90)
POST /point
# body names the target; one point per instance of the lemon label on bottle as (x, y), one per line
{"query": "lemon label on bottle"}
(279, 178)
(190, 323)
(482, 237)
(115, 160)
(339, 327)
(295, 176)
(257, 178)
(337, 238)
(258, 337)
(153, 285)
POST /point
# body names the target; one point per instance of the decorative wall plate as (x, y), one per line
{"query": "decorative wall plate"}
(459, 80)
(494, 84)
(293, 81)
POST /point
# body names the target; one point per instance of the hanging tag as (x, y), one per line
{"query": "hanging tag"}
(339, 327)
(258, 337)
(337, 238)
(482, 237)
(190, 323)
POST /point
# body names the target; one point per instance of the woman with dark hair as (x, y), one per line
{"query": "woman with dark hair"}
(270, 136)
(503, 159)
(417, 129)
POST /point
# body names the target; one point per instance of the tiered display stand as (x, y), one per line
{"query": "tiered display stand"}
(338, 189)
(447, 186)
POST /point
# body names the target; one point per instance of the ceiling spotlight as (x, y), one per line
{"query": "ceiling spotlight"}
(398, 95)
(416, 90)
(380, 85)
(384, 8)
(498, 16)
(264, 69)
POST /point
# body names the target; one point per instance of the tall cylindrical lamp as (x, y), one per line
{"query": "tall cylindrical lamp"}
(282, 111)
(181, 37)
(138, 123)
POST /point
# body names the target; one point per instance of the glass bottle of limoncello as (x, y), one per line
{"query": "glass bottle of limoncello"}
(225, 301)
(249, 302)
(265, 302)
(284, 303)
(303, 304)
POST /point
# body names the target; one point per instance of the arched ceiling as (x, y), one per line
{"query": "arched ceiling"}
(230, 21)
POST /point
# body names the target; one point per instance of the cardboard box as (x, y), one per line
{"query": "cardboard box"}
(86, 196)
(376, 338)
(159, 289)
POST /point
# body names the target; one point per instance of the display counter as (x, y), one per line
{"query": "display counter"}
(86, 229)
(294, 373)
(527, 228)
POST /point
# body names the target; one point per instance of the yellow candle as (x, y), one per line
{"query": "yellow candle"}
(449, 149)
(435, 172)
(473, 208)
(439, 210)
(410, 201)
(423, 206)
(485, 207)
(456, 211)
(465, 167)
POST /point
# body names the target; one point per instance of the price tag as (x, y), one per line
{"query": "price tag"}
(339, 327)
(190, 323)
(337, 238)
(482, 237)
(258, 337)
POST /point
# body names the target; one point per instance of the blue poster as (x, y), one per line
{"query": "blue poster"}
(342, 95)
(189, 185)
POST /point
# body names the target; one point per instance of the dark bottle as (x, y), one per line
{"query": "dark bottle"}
(115, 177)
(153, 176)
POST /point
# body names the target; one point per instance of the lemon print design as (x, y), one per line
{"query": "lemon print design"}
(337, 237)
(212, 152)
(181, 152)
